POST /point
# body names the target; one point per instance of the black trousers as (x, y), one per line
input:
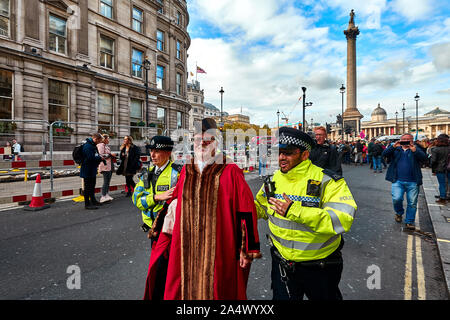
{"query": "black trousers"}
(89, 190)
(315, 281)
(130, 183)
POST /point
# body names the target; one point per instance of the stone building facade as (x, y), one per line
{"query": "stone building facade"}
(84, 61)
(196, 97)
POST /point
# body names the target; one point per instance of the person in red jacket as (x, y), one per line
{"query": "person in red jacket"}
(215, 236)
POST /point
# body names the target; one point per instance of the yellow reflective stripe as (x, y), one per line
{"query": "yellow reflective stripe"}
(337, 226)
(289, 224)
(346, 208)
(304, 246)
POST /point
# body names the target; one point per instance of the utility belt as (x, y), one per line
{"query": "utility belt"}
(290, 266)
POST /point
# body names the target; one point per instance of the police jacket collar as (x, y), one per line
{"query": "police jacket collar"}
(299, 170)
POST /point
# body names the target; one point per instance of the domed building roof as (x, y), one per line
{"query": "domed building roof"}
(379, 111)
(379, 114)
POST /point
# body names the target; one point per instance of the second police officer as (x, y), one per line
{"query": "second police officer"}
(308, 209)
(157, 183)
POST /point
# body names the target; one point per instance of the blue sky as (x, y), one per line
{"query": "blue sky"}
(263, 51)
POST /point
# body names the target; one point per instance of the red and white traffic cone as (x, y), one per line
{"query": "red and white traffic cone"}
(37, 201)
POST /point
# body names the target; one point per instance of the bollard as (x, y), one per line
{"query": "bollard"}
(26, 176)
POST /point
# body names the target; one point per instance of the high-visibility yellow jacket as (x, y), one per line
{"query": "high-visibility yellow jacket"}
(323, 209)
(143, 197)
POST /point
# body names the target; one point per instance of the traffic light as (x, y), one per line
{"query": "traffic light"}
(299, 125)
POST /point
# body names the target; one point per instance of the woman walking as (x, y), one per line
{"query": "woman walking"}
(130, 155)
(106, 169)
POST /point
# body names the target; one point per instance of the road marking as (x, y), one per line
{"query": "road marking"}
(420, 271)
(408, 268)
(443, 240)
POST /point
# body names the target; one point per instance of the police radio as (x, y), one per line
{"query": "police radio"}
(269, 187)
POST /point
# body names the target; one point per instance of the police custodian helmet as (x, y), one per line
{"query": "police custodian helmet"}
(161, 143)
(289, 137)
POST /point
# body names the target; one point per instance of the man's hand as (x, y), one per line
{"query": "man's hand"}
(397, 144)
(164, 196)
(281, 206)
(244, 260)
(412, 147)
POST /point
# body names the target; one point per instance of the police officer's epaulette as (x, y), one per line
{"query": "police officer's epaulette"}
(332, 174)
(177, 166)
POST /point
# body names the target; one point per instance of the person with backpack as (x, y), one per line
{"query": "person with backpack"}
(439, 162)
(88, 171)
(130, 163)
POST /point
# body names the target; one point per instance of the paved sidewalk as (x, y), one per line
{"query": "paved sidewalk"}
(440, 218)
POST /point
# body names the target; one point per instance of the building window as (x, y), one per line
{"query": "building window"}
(195, 110)
(178, 50)
(161, 8)
(6, 94)
(178, 19)
(136, 117)
(160, 77)
(179, 83)
(105, 111)
(106, 8)
(161, 117)
(4, 17)
(106, 52)
(57, 34)
(160, 40)
(179, 120)
(195, 99)
(58, 101)
(138, 19)
(137, 62)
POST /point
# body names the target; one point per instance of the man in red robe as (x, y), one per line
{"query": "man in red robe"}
(215, 234)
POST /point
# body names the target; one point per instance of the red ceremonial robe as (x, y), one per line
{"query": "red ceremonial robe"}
(206, 243)
(160, 249)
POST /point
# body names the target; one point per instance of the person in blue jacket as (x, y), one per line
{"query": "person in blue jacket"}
(406, 176)
(88, 171)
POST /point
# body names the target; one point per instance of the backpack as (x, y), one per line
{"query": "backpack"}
(77, 153)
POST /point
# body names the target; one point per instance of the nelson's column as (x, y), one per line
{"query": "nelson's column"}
(351, 117)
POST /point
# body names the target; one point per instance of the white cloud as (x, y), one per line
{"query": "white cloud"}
(414, 10)
(441, 56)
(269, 50)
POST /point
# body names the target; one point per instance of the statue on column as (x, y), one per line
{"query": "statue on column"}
(352, 17)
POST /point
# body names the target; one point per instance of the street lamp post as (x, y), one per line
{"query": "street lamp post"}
(342, 90)
(278, 116)
(396, 128)
(304, 106)
(146, 67)
(403, 110)
(221, 104)
(417, 114)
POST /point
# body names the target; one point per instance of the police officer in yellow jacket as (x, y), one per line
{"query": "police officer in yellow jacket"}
(157, 183)
(308, 209)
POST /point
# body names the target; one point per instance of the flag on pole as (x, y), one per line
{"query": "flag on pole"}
(200, 70)
(362, 134)
(300, 98)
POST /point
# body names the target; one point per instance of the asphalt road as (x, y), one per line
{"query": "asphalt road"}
(42, 252)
